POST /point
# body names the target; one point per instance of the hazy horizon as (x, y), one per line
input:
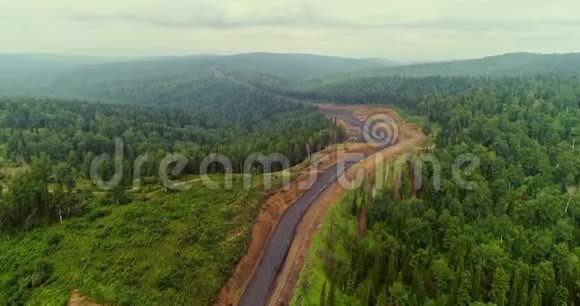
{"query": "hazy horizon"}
(415, 30)
(152, 56)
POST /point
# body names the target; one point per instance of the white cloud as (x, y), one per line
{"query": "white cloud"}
(397, 29)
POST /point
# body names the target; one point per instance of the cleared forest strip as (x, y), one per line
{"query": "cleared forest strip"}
(314, 218)
(267, 220)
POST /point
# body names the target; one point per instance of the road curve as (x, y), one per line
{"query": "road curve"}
(260, 285)
(259, 288)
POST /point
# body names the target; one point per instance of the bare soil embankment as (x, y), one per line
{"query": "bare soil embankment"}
(313, 219)
(273, 207)
(352, 117)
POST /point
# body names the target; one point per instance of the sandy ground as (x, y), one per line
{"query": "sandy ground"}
(76, 299)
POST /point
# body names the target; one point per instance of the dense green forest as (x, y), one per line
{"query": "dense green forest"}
(514, 240)
(401, 91)
(408, 91)
(75, 131)
(58, 140)
(60, 232)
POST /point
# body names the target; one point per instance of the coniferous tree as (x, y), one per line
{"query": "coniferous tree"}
(499, 287)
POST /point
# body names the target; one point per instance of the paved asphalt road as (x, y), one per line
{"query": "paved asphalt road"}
(258, 290)
(260, 286)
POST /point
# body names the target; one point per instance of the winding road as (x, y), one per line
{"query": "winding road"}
(258, 290)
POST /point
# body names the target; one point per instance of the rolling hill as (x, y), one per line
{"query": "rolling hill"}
(119, 79)
(511, 64)
(193, 79)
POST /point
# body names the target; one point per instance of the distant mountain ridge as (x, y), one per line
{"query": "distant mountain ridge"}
(510, 64)
(89, 77)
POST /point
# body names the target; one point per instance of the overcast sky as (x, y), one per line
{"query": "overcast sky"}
(395, 29)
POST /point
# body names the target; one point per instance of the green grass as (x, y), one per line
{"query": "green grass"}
(312, 277)
(176, 248)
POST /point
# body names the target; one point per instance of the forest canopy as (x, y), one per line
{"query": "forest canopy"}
(513, 240)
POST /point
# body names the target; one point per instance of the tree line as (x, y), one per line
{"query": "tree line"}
(514, 240)
(54, 142)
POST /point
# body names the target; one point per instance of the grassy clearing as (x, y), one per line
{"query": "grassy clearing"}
(176, 248)
(313, 277)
